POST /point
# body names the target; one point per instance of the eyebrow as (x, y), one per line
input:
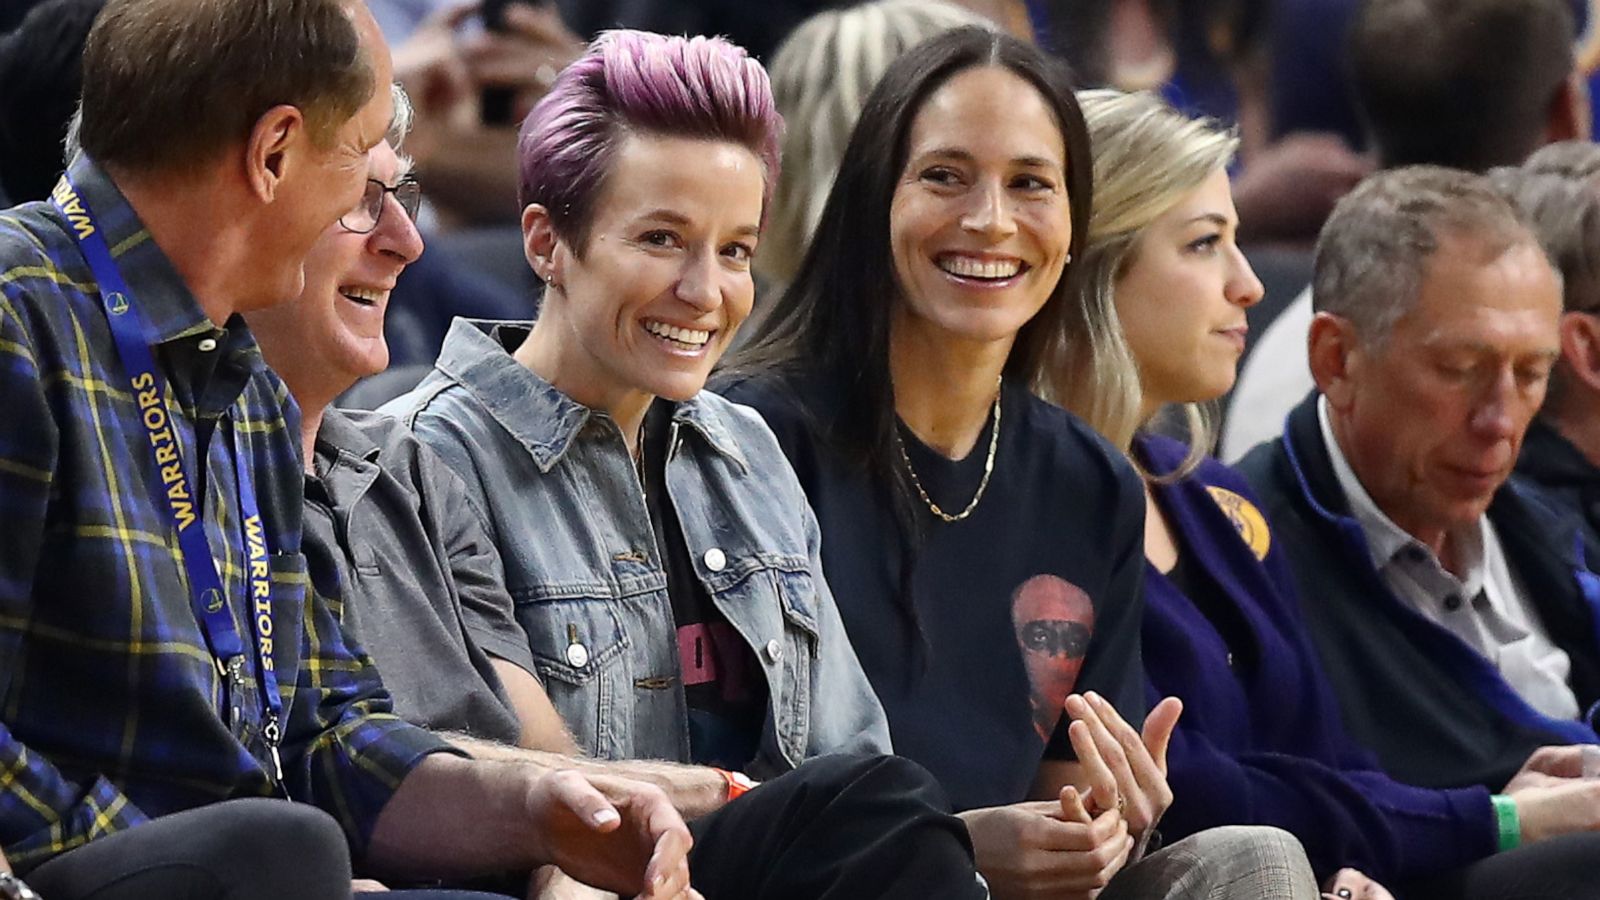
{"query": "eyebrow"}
(1479, 348)
(1032, 162)
(1215, 218)
(673, 217)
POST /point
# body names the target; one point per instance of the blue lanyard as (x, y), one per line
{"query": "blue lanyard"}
(174, 484)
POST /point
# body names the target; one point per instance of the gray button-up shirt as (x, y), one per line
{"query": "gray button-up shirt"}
(422, 585)
(1486, 606)
(559, 489)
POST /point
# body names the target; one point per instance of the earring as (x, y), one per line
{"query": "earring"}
(1069, 259)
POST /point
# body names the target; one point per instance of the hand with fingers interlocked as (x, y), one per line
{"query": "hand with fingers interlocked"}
(1048, 849)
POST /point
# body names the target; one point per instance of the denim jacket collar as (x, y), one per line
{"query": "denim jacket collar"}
(476, 354)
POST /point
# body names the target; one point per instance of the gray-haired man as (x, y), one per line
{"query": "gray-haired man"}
(1456, 617)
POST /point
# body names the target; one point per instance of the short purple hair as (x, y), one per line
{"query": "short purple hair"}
(637, 81)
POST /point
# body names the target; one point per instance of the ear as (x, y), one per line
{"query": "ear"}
(541, 245)
(1569, 116)
(1335, 354)
(271, 149)
(1580, 349)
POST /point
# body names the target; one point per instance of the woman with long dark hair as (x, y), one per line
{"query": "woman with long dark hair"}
(985, 547)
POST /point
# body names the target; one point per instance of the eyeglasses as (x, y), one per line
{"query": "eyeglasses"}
(364, 218)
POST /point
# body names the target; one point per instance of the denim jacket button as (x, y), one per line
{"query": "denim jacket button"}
(774, 651)
(577, 655)
(716, 560)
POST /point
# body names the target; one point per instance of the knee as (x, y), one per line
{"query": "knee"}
(1250, 858)
(1261, 841)
(877, 794)
(894, 775)
(260, 840)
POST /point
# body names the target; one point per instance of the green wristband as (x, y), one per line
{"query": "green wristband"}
(1509, 824)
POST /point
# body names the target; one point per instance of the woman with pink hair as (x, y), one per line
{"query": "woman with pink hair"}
(661, 554)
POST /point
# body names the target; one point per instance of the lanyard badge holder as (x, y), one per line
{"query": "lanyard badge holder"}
(207, 594)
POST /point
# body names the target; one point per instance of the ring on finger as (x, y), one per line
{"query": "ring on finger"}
(1344, 893)
(1122, 804)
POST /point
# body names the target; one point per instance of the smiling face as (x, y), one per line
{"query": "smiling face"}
(332, 333)
(656, 295)
(980, 223)
(1431, 419)
(1181, 298)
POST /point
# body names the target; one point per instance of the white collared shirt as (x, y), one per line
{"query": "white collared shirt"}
(1487, 606)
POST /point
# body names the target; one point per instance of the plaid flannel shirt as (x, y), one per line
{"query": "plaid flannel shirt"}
(112, 709)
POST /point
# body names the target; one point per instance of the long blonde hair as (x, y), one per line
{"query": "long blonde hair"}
(1147, 157)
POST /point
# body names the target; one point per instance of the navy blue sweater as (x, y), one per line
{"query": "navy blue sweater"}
(1433, 709)
(1262, 743)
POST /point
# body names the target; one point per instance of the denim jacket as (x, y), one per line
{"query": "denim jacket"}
(556, 485)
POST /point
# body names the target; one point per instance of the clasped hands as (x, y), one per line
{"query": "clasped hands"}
(1073, 845)
(613, 833)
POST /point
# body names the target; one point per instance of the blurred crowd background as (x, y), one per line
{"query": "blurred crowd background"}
(1280, 71)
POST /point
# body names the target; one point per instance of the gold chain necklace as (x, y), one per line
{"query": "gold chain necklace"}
(983, 484)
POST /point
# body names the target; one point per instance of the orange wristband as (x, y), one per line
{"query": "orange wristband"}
(739, 783)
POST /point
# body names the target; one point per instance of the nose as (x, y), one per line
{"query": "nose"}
(697, 284)
(1243, 288)
(396, 236)
(1496, 415)
(990, 212)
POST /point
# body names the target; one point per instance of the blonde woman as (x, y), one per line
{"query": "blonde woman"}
(1260, 742)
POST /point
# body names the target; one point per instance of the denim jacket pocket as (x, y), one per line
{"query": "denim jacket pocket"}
(797, 597)
(776, 609)
(579, 648)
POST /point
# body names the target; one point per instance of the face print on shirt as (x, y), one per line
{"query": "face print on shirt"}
(1054, 620)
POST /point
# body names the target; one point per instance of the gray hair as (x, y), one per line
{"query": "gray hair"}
(1375, 246)
(821, 76)
(1564, 212)
(400, 125)
(1147, 157)
(1569, 159)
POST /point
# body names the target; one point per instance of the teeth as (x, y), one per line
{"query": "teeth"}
(967, 267)
(365, 295)
(692, 337)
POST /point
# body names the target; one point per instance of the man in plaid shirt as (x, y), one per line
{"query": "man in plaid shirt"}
(152, 589)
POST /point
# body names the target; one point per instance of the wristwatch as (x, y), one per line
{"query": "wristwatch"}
(12, 888)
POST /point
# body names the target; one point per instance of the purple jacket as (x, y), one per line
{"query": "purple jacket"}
(1265, 746)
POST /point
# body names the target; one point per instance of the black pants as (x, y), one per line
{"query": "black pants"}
(837, 828)
(252, 849)
(1563, 868)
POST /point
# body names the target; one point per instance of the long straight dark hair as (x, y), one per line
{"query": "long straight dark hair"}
(834, 318)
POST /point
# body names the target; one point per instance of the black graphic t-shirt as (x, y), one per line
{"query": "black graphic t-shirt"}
(722, 682)
(1036, 595)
